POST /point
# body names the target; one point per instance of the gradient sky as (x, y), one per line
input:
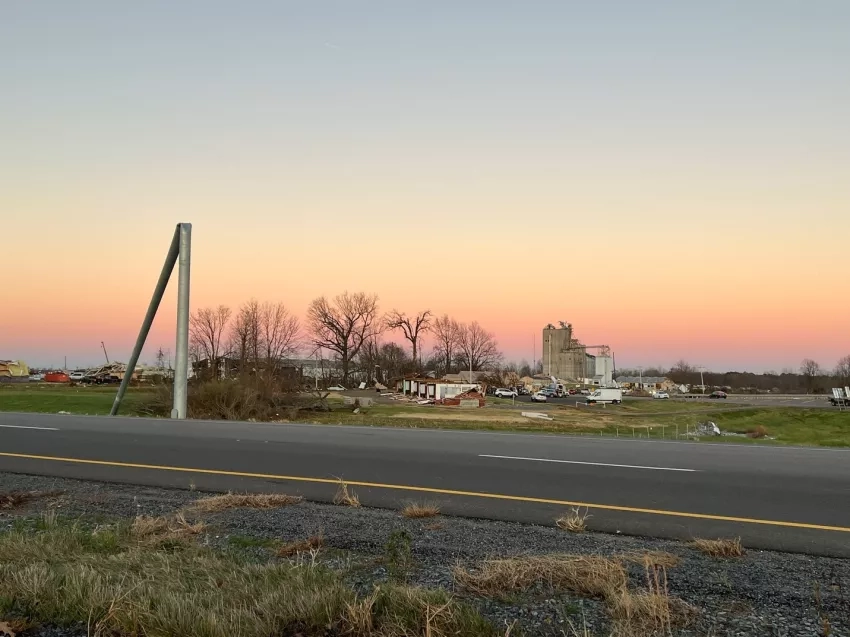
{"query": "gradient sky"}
(673, 178)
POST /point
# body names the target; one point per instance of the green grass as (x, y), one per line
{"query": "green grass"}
(66, 574)
(821, 427)
(644, 419)
(250, 542)
(51, 399)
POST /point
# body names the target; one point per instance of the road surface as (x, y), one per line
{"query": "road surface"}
(787, 498)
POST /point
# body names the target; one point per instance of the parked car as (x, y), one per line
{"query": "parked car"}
(76, 377)
(336, 388)
(584, 392)
(661, 395)
(605, 395)
(36, 378)
(718, 394)
(539, 397)
(573, 392)
(504, 392)
(522, 391)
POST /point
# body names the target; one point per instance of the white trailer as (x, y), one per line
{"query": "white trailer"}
(605, 395)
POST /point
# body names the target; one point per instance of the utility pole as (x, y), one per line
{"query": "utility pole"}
(701, 379)
(640, 376)
(104, 352)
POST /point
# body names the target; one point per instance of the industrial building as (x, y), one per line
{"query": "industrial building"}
(566, 358)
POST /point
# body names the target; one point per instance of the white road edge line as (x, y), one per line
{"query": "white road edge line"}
(595, 464)
(24, 427)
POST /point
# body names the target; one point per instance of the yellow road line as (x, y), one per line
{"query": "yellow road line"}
(405, 487)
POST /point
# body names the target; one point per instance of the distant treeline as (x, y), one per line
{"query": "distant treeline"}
(810, 378)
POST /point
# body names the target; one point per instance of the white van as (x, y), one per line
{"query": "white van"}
(605, 395)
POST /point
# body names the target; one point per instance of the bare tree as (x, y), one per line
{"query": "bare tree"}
(412, 327)
(810, 369)
(278, 334)
(842, 370)
(207, 327)
(367, 359)
(478, 347)
(246, 335)
(681, 365)
(447, 334)
(344, 324)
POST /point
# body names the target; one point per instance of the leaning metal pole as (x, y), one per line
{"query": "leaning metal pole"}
(181, 361)
(159, 290)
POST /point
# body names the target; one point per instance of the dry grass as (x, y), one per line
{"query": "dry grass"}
(312, 543)
(649, 611)
(634, 613)
(652, 558)
(720, 547)
(10, 500)
(757, 432)
(162, 530)
(345, 496)
(416, 511)
(217, 503)
(14, 499)
(590, 576)
(114, 584)
(574, 521)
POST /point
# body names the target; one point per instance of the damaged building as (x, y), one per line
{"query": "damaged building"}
(566, 358)
(14, 372)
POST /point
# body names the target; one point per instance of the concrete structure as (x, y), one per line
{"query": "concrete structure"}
(564, 357)
(599, 370)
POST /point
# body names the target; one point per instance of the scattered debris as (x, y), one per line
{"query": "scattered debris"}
(707, 428)
(357, 401)
(537, 414)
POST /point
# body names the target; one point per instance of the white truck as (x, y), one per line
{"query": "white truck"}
(605, 395)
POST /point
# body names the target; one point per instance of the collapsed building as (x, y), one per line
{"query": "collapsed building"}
(14, 372)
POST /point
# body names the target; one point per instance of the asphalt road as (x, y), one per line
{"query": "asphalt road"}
(788, 498)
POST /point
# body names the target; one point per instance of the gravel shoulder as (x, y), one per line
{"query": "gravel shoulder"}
(761, 593)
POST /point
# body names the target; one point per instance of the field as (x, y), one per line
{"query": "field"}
(50, 399)
(639, 418)
(635, 418)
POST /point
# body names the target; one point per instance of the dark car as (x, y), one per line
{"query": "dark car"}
(718, 394)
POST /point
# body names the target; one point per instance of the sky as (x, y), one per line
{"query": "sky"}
(672, 178)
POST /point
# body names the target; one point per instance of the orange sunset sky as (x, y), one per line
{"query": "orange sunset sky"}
(673, 180)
